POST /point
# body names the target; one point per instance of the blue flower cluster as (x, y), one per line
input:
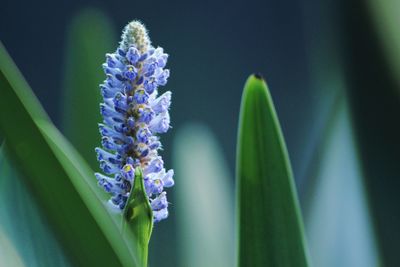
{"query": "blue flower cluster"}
(133, 116)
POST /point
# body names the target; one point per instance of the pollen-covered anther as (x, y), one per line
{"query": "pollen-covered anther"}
(128, 172)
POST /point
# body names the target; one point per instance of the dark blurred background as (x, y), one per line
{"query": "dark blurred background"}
(298, 46)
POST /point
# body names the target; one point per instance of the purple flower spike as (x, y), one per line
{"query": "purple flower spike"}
(134, 114)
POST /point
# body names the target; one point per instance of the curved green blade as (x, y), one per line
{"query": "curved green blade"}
(269, 220)
(24, 226)
(8, 254)
(90, 37)
(204, 199)
(385, 16)
(338, 222)
(59, 178)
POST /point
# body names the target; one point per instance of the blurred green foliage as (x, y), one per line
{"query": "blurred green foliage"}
(337, 215)
(8, 253)
(25, 238)
(373, 92)
(59, 177)
(385, 17)
(204, 203)
(90, 36)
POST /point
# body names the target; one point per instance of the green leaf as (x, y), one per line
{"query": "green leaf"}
(59, 178)
(204, 199)
(24, 225)
(338, 222)
(90, 36)
(139, 216)
(8, 254)
(269, 219)
(385, 19)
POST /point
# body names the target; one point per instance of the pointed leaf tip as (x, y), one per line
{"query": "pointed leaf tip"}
(269, 219)
(258, 76)
(255, 84)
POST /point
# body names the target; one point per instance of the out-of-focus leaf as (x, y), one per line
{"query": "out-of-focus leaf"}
(22, 225)
(59, 178)
(269, 219)
(204, 205)
(8, 254)
(338, 221)
(373, 95)
(385, 15)
(90, 36)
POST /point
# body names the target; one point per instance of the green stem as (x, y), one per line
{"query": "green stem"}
(138, 217)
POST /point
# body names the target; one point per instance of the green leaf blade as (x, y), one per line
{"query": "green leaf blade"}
(204, 204)
(59, 178)
(8, 254)
(269, 219)
(90, 37)
(24, 225)
(340, 225)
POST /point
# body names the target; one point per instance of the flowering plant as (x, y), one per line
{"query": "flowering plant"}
(133, 116)
(133, 174)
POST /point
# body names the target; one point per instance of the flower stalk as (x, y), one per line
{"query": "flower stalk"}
(133, 117)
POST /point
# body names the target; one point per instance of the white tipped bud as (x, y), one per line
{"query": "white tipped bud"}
(135, 33)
